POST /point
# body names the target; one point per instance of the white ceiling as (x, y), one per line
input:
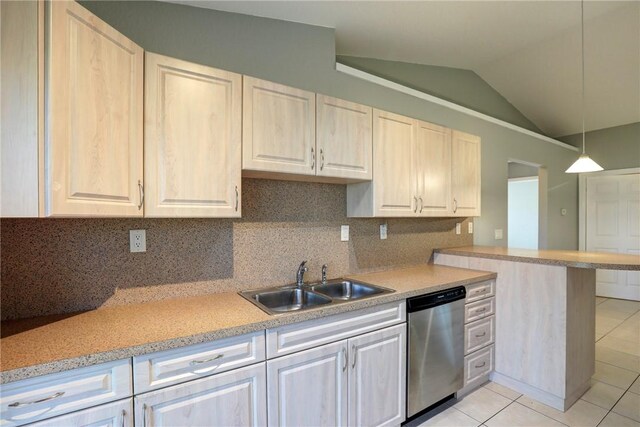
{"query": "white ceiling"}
(529, 51)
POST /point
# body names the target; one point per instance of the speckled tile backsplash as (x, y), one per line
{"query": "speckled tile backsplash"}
(65, 265)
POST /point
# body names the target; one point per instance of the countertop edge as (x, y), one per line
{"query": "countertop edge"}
(62, 365)
(539, 260)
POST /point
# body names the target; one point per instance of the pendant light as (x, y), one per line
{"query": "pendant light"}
(584, 162)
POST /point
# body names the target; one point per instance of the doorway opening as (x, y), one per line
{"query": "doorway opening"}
(526, 205)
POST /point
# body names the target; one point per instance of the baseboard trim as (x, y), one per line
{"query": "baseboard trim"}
(547, 398)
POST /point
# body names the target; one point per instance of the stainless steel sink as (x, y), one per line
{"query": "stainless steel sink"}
(348, 290)
(283, 300)
(290, 298)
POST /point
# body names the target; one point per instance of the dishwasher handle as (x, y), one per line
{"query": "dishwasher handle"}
(435, 299)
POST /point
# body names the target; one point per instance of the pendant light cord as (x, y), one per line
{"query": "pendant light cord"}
(582, 27)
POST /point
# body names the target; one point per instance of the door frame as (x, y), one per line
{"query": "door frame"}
(582, 199)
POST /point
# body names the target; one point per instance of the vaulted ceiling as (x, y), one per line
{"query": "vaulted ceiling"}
(529, 51)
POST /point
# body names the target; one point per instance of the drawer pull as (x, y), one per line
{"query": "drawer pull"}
(200, 362)
(482, 365)
(20, 404)
(480, 291)
(481, 310)
(481, 335)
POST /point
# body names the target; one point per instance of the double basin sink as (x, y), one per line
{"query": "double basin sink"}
(290, 298)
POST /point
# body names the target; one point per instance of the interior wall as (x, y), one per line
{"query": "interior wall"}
(303, 56)
(64, 265)
(463, 87)
(612, 148)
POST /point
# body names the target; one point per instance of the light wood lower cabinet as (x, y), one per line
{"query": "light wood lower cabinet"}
(192, 142)
(93, 145)
(116, 414)
(359, 381)
(234, 398)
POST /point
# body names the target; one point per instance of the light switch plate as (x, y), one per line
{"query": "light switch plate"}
(458, 228)
(470, 227)
(137, 241)
(344, 233)
(498, 233)
(383, 231)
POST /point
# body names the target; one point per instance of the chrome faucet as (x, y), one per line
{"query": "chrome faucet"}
(300, 274)
(324, 274)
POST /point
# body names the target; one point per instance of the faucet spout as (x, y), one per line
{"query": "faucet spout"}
(300, 274)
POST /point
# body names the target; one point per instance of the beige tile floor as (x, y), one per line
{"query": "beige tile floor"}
(612, 401)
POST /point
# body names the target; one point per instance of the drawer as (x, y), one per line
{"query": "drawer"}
(300, 336)
(481, 290)
(113, 414)
(164, 368)
(47, 396)
(479, 309)
(479, 334)
(478, 365)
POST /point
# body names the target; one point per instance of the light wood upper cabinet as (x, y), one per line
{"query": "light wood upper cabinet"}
(343, 139)
(433, 169)
(93, 147)
(465, 174)
(192, 142)
(278, 128)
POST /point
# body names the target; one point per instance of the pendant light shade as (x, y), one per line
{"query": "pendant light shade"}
(584, 162)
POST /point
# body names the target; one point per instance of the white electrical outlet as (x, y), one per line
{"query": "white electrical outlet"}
(470, 228)
(344, 233)
(497, 233)
(383, 231)
(458, 228)
(137, 241)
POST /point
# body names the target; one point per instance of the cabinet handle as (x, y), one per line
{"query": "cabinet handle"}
(355, 356)
(481, 310)
(144, 415)
(481, 335)
(421, 206)
(481, 366)
(321, 159)
(141, 191)
(344, 357)
(200, 362)
(313, 159)
(46, 399)
(124, 414)
(415, 200)
(455, 205)
(480, 291)
(236, 198)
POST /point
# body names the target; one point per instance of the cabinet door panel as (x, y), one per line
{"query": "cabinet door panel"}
(192, 139)
(278, 128)
(343, 140)
(466, 174)
(94, 116)
(309, 388)
(393, 176)
(433, 169)
(234, 398)
(116, 414)
(377, 377)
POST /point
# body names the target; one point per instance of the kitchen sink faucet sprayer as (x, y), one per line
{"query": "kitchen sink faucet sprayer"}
(300, 274)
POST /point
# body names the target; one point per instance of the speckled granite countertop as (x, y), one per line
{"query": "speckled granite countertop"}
(579, 259)
(43, 345)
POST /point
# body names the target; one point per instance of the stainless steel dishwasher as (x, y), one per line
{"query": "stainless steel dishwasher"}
(435, 349)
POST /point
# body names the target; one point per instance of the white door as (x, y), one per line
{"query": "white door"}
(115, 414)
(613, 225)
(377, 377)
(192, 141)
(309, 388)
(234, 398)
(93, 147)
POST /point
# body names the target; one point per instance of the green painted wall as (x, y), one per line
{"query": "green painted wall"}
(304, 56)
(612, 148)
(463, 87)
